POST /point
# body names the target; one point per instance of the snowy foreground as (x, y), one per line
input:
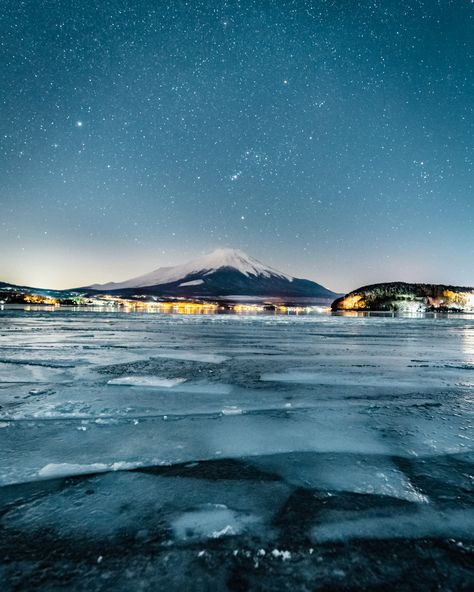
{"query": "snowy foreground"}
(160, 452)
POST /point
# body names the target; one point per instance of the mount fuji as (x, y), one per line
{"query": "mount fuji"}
(224, 272)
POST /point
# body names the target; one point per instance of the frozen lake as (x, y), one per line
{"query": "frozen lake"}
(163, 452)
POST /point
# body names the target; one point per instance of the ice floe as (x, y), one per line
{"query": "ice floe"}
(418, 524)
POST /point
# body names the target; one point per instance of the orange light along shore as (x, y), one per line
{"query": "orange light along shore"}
(171, 307)
(37, 299)
(110, 303)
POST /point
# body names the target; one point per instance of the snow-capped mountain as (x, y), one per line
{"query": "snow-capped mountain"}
(218, 259)
(220, 273)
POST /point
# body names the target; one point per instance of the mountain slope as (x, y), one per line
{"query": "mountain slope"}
(221, 273)
(6, 288)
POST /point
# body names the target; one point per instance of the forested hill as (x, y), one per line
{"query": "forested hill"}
(400, 296)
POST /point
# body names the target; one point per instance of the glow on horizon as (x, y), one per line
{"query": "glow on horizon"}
(70, 268)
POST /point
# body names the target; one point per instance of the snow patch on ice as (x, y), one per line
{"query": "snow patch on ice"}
(213, 521)
(147, 381)
(232, 410)
(283, 555)
(52, 470)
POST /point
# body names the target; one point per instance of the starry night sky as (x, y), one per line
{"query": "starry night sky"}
(332, 139)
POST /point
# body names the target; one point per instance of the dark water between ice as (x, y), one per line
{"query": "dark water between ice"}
(162, 452)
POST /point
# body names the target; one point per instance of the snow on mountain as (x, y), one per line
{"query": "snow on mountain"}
(191, 283)
(219, 259)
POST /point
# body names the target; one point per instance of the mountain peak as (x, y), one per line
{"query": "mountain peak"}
(235, 259)
(225, 257)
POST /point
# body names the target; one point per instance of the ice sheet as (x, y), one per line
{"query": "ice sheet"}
(279, 439)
